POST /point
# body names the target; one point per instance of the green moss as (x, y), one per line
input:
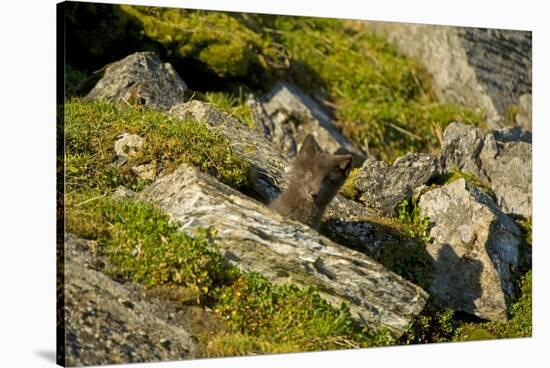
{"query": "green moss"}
(91, 129)
(232, 104)
(379, 96)
(219, 41)
(433, 324)
(142, 245)
(525, 247)
(290, 316)
(349, 190)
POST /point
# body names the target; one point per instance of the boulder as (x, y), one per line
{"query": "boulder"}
(501, 158)
(474, 247)
(106, 322)
(344, 220)
(287, 115)
(256, 239)
(382, 186)
(140, 79)
(484, 68)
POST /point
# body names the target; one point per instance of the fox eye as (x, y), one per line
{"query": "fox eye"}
(308, 173)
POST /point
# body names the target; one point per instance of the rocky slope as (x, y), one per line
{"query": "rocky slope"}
(471, 242)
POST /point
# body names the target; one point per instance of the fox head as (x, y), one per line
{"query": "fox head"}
(318, 174)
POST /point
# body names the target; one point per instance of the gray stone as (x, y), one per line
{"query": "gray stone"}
(254, 238)
(485, 68)
(123, 193)
(287, 115)
(126, 146)
(140, 79)
(145, 171)
(111, 323)
(501, 158)
(344, 220)
(474, 247)
(382, 186)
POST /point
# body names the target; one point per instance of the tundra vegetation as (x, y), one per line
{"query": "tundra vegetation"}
(379, 98)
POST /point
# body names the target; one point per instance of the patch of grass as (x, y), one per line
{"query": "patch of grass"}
(231, 104)
(221, 43)
(292, 317)
(142, 245)
(416, 226)
(349, 190)
(433, 324)
(91, 129)
(381, 99)
(470, 178)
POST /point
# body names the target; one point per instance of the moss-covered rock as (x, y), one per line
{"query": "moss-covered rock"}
(91, 129)
(217, 40)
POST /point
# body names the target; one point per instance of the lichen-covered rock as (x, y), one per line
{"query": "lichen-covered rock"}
(382, 186)
(501, 158)
(287, 114)
(145, 171)
(270, 169)
(474, 247)
(123, 193)
(257, 239)
(485, 68)
(140, 79)
(108, 323)
(126, 146)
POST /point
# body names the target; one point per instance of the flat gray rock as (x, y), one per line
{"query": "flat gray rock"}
(140, 79)
(254, 238)
(474, 247)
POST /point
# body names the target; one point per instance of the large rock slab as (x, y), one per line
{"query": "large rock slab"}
(254, 238)
(142, 79)
(287, 115)
(344, 219)
(485, 68)
(382, 186)
(474, 247)
(501, 158)
(108, 323)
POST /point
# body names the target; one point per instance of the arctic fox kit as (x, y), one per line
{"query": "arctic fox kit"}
(315, 180)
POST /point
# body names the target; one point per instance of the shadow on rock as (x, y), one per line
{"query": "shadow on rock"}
(404, 255)
(457, 284)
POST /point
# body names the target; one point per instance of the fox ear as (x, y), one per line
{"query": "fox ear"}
(309, 148)
(343, 162)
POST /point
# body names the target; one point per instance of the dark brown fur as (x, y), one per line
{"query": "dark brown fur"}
(315, 180)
